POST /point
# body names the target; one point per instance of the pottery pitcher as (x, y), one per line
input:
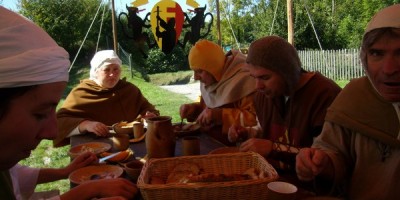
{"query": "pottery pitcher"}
(160, 137)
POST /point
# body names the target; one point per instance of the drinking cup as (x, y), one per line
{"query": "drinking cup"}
(191, 145)
(133, 169)
(138, 129)
(281, 191)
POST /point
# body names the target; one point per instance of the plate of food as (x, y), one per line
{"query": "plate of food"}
(95, 172)
(94, 147)
(186, 128)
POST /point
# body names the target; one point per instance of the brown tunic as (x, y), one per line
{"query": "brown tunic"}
(89, 101)
(299, 120)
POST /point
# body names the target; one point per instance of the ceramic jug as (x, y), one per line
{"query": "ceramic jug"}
(160, 137)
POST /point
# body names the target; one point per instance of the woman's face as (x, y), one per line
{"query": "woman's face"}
(30, 119)
(205, 77)
(268, 82)
(108, 76)
(383, 61)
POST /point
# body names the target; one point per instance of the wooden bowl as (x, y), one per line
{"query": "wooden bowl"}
(133, 169)
(95, 147)
(123, 128)
(95, 172)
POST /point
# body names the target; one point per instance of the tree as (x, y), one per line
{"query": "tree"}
(334, 24)
(67, 21)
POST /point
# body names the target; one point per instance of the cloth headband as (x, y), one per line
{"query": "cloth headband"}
(28, 55)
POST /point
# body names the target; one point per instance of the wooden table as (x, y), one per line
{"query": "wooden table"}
(207, 144)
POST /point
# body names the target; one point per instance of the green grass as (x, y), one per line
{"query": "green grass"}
(342, 83)
(182, 77)
(167, 102)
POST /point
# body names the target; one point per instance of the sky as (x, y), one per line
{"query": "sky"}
(120, 5)
(10, 4)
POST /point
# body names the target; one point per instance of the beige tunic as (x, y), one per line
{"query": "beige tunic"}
(360, 137)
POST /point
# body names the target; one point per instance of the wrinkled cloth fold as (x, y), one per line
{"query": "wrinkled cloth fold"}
(25, 61)
(235, 83)
(369, 117)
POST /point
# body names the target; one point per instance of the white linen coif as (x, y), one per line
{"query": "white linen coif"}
(103, 58)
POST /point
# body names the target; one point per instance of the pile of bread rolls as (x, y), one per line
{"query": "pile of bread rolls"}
(184, 173)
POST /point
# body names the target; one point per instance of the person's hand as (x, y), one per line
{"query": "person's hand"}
(118, 188)
(97, 128)
(186, 110)
(310, 162)
(205, 117)
(261, 146)
(83, 160)
(114, 187)
(237, 133)
(149, 114)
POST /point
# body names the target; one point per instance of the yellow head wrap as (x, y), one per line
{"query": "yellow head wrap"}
(208, 56)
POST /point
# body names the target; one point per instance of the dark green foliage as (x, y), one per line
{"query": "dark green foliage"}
(68, 21)
(158, 62)
(338, 24)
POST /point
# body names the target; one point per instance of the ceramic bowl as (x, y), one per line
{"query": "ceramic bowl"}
(133, 169)
(94, 147)
(95, 172)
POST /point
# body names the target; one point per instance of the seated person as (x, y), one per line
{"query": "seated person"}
(227, 90)
(33, 77)
(357, 155)
(291, 104)
(101, 101)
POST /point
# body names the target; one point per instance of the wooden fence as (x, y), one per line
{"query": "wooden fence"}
(335, 64)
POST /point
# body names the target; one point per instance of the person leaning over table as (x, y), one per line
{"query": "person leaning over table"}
(100, 101)
(33, 76)
(358, 151)
(226, 90)
(290, 102)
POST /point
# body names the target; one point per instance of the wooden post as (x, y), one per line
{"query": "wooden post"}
(114, 28)
(290, 21)
(218, 24)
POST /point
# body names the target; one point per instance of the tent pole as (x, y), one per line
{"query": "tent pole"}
(114, 28)
(218, 24)
(290, 21)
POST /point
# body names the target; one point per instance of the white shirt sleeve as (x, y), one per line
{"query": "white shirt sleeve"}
(24, 180)
(74, 132)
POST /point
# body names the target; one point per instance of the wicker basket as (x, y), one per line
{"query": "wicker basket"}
(231, 163)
